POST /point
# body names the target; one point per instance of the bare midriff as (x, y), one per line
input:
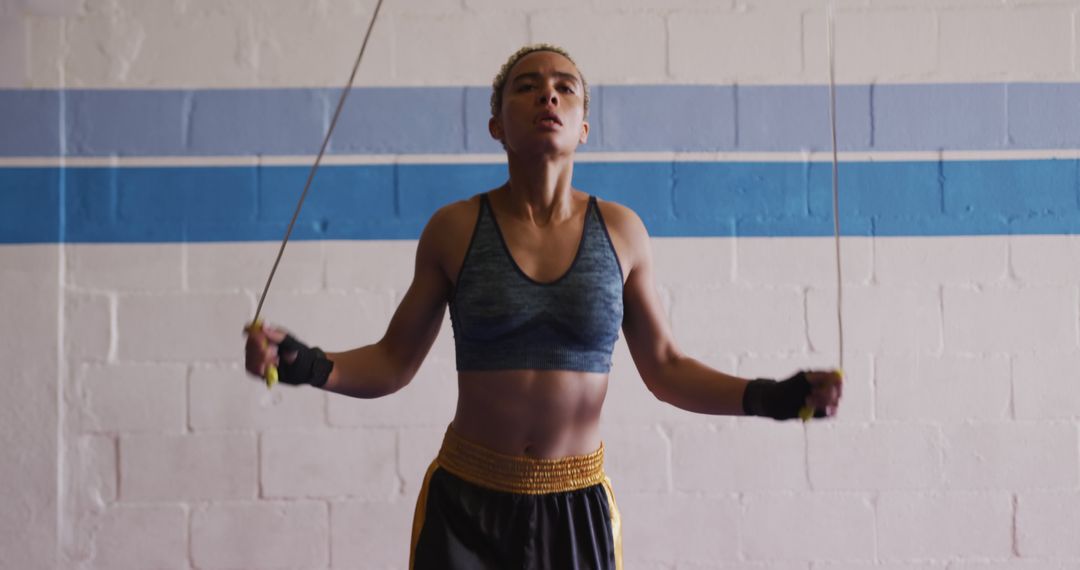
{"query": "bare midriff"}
(545, 414)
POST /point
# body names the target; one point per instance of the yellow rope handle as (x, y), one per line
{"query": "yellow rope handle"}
(271, 372)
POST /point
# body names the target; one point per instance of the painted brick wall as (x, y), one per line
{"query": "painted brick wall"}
(132, 439)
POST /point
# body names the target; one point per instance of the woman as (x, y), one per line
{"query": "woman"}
(538, 277)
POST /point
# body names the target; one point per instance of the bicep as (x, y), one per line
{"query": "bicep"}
(418, 318)
(645, 323)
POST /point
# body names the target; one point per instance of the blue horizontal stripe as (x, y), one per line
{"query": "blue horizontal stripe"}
(453, 120)
(206, 204)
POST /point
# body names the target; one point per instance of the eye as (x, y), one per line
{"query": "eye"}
(523, 87)
(565, 88)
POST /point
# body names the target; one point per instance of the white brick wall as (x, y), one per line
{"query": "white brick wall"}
(956, 449)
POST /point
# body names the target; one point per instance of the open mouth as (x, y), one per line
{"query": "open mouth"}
(548, 119)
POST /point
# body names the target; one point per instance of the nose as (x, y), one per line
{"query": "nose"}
(548, 95)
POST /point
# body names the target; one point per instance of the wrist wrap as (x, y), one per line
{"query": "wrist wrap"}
(310, 366)
(776, 400)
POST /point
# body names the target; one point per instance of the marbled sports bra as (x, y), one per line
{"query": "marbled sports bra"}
(504, 320)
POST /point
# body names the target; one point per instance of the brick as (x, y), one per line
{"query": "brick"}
(879, 319)
(54, 8)
(953, 260)
(426, 401)
(816, 525)
(627, 118)
(516, 5)
(1022, 43)
(29, 416)
(230, 398)
(927, 565)
(1043, 115)
(950, 116)
(799, 261)
(609, 47)
(986, 455)
(1010, 319)
(712, 321)
(13, 47)
(668, 527)
(329, 55)
(469, 54)
(29, 274)
(726, 46)
(133, 397)
(44, 50)
(872, 46)
(796, 117)
(231, 266)
(88, 326)
(708, 459)
(943, 388)
(693, 261)
(905, 456)
(652, 5)
(1046, 524)
(96, 474)
(335, 463)
(182, 327)
(156, 59)
(417, 448)
(857, 401)
(335, 321)
(262, 535)
(944, 525)
(743, 566)
(370, 535)
(638, 459)
(1045, 259)
(125, 267)
(370, 264)
(989, 189)
(187, 467)
(161, 542)
(106, 123)
(1014, 564)
(1045, 386)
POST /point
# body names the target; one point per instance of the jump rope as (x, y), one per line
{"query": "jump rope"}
(271, 374)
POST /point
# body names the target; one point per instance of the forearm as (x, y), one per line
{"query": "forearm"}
(692, 386)
(367, 372)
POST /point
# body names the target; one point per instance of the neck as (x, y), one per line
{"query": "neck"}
(539, 190)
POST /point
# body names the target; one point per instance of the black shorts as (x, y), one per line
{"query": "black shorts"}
(481, 510)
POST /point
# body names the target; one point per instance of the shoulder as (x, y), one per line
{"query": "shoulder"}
(447, 234)
(621, 220)
(453, 219)
(627, 231)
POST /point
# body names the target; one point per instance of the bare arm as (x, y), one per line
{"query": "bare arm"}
(388, 365)
(672, 376)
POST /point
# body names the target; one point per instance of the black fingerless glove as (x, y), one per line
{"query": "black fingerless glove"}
(310, 366)
(777, 400)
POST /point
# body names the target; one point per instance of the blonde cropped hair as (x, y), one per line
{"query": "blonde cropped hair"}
(503, 76)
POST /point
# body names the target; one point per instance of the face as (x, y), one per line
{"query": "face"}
(543, 109)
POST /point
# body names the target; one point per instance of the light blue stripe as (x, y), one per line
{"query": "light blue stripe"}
(453, 120)
(673, 198)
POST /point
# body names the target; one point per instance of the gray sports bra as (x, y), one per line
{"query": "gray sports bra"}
(504, 320)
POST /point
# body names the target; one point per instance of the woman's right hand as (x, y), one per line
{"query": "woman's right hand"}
(261, 349)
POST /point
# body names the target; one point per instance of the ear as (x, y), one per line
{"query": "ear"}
(584, 132)
(495, 129)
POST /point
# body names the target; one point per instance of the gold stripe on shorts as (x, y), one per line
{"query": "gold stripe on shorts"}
(516, 474)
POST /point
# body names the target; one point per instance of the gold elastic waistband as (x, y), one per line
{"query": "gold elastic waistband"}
(514, 474)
